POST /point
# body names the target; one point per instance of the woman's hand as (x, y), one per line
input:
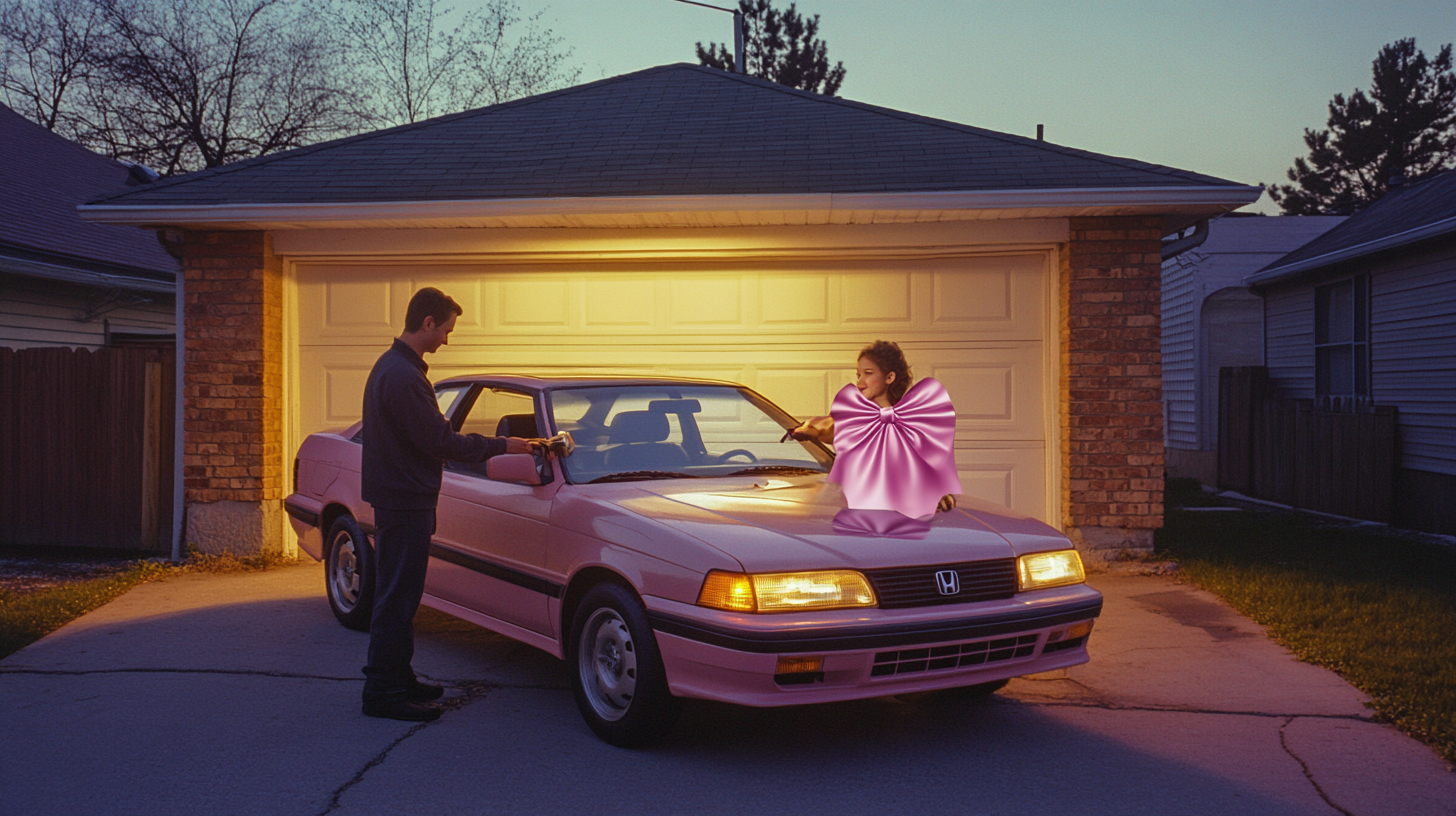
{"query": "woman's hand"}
(820, 428)
(947, 502)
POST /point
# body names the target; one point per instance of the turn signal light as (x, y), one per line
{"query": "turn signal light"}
(728, 590)
(798, 665)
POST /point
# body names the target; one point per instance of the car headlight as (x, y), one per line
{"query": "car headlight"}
(1049, 569)
(785, 591)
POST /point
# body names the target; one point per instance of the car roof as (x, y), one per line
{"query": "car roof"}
(553, 383)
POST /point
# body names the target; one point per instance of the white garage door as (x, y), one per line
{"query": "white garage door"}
(790, 330)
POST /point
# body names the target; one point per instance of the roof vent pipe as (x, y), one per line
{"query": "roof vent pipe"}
(1039, 133)
(737, 32)
(1178, 246)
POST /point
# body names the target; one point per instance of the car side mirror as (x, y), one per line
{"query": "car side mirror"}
(513, 467)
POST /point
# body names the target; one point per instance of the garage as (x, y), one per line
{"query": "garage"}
(790, 330)
(622, 227)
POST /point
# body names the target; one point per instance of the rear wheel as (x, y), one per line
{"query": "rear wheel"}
(349, 574)
(617, 674)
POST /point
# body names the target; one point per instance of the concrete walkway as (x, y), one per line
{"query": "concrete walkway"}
(239, 694)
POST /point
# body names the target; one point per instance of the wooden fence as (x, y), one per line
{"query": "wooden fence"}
(1338, 456)
(86, 447)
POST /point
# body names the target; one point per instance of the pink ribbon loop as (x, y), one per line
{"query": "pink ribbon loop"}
(900, 458)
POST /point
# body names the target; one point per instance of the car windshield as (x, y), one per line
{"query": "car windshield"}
(639, 432)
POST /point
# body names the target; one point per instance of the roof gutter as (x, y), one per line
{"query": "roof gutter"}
(1400, 239)
(85, 277)
(1178, 246)
(1064, 202)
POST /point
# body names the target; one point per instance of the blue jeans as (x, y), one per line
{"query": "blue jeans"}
(401, 557)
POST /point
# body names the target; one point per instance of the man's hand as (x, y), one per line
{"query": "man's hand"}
(515, 444)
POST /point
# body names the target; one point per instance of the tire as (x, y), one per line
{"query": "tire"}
(616, 670)
(349, 574)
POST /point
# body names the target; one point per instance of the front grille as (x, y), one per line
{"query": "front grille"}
(902, 587)
(956, 655)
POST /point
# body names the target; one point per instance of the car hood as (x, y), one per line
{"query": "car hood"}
(779, 524)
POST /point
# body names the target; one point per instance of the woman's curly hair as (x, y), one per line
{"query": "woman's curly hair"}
(890, 359)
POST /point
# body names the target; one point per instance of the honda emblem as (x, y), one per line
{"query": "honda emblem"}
(948, 582)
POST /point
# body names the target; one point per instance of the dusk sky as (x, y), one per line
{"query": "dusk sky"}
(1224, 88)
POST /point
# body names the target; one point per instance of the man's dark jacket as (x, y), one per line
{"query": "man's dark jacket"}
(406, 439)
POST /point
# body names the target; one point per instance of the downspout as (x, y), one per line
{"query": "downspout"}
(171, 241)
(1178, 246)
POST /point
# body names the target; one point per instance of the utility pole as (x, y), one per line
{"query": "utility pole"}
(737, 32)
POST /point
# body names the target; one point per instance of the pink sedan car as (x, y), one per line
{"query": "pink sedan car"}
(683, 549)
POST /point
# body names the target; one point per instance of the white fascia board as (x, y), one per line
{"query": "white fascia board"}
(1039, 202)
(86, 277)
(1399, 239)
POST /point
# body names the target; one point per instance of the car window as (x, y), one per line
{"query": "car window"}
(669, 429)
(493, 404)
(448, 397)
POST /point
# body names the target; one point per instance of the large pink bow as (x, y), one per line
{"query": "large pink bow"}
(900, 458)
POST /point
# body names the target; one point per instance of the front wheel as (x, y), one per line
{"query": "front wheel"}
(617, 677)
(349, 574)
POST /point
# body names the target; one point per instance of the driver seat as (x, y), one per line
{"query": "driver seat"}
(641, 437)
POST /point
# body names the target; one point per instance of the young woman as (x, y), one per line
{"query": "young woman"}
(882, 377)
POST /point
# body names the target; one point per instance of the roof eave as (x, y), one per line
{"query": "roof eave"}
(1190, 202)
(1275, 274)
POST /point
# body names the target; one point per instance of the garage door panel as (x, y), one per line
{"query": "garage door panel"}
(998, 392)
(709, 300)
(881, 299)
(1014, 475)
(536, 303)
(788, 301)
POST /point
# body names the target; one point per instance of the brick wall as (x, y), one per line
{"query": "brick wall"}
(1112, 387)
(232, 398)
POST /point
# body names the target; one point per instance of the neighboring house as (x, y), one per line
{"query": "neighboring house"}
(87, 354)
(64, 281)
(684, 220)
(1368, 310)
(1211, 320)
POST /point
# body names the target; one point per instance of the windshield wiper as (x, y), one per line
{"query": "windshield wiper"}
(642, 475)
(786, 470)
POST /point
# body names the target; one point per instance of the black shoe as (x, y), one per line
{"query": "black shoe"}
(401, 710)
(423, 692)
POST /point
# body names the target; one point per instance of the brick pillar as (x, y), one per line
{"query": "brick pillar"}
(233, 392)
(1112, 386)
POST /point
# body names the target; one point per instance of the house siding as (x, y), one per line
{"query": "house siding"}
(1289, 339)
(1181, 294)
(40, 313)
(1412, 346)
(1413, 353)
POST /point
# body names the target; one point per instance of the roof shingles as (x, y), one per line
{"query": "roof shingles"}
(669, 131)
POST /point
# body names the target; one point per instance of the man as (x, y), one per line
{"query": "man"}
(406, 443)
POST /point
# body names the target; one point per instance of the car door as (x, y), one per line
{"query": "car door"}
(489, 550)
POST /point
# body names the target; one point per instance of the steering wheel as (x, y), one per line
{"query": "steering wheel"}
(735, 452)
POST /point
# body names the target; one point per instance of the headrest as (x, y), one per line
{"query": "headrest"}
(518, 425)
(638, 426)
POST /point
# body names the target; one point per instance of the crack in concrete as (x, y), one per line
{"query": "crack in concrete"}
(1180, 710)
(473, 692)
(1284, 743)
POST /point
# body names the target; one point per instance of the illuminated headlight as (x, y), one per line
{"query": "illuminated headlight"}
(785, 591)
(1049, 569)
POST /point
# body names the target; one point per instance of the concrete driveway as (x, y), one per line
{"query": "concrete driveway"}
(240, 694)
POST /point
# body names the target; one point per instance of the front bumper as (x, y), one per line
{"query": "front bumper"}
(894, 655)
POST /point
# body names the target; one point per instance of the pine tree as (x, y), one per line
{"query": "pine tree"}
(780, 46)
(1405, 126)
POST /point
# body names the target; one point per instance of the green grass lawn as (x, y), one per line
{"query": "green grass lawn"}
(1378, 609)
(28, 616)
